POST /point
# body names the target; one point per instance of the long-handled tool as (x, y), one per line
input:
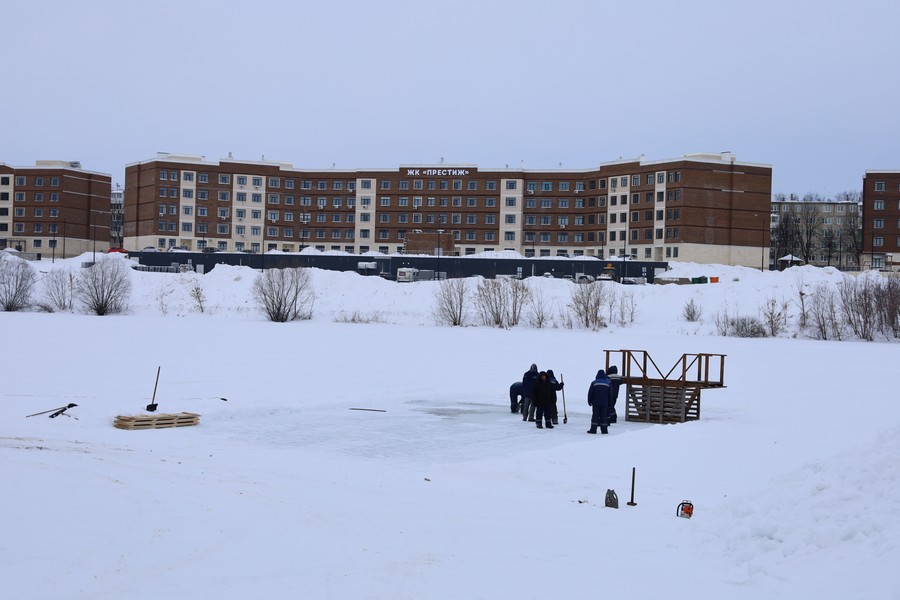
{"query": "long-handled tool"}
(152, 406)
(565, 417)
(58, 410)
(632, 502)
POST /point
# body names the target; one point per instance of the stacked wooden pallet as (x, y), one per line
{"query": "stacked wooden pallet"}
(670, 403)
(160, 421)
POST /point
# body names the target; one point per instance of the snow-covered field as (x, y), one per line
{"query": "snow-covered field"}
(283, 491)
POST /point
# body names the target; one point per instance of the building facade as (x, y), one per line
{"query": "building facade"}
(54, 208)
(820, 232)
(701, 207)
(881, 220)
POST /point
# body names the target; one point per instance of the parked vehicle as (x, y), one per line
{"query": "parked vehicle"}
(210, 250)
(584, 278)
(406, 274)
(149, 249)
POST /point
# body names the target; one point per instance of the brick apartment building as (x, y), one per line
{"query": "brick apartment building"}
(881, 219)
(54, 208)
(701, 207)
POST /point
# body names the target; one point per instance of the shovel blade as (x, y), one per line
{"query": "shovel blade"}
(151, 407)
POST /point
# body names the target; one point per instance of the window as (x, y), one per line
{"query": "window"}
(203, 178)
(546, 203)
(879, 186)
(188, 194)
(878, 241)
(511, 185)
(404, 185)
(660, 196)
(878, 224)
(257, 181)
(241, 179)
(224, 179)
(472, 186)
(274, 198)
(385, 201)
(274, 182)
(510, 202)
(510, 219)
(202, 194)
(457, 184)
(223, 196)
(241, 196)
(54, 197)
(187, 227)
(509, 236)
(879, 205)
(202, 211)
(187, 210)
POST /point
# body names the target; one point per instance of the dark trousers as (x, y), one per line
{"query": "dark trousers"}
(600, 413)
(543, 413)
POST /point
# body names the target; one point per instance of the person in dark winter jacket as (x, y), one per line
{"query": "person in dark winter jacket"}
(542, 398)
(598, 399)
(615, 380)
(528, 381)
(555, 386)
(515, 396)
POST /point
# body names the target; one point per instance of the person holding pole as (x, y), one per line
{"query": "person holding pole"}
(598, 400)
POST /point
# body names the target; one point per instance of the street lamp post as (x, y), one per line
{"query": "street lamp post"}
(762, 247)
(440, 250)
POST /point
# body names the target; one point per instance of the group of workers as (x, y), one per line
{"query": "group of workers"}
(535, 397)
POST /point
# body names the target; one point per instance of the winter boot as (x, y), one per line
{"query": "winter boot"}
(539, 426)
(593, 429)
(549, 425)
(556, 420)
(603, 429)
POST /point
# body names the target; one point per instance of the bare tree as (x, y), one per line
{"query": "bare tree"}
(824, 314)
(452, 302)
(801, 301)
(17, 280)
(519, 296)
(59, 290)
(586, 303)
(491, 302)
(774, 316)
(284, 294)
(692, 311)
(858, 306)
(810, 223)
(539, 309)
(627, 307)
(887, 303)
(500, 301)
(104, 287)
(198, 296)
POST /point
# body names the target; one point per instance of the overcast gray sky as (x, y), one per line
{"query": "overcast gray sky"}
(810, 87)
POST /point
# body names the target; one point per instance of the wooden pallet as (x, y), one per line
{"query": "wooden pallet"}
(161, 421)
(662, 403)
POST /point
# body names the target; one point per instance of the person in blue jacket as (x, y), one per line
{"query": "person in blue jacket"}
(515, 396)
(598, 400)
(615, 380)
(528, 380)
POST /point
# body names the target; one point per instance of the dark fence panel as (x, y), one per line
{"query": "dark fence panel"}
(453, 266)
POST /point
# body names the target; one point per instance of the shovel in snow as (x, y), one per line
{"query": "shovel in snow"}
(152, 406)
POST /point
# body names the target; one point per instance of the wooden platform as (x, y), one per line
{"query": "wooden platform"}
(653, 396)
(160, 421)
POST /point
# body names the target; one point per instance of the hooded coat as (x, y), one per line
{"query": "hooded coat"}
(599, 398)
